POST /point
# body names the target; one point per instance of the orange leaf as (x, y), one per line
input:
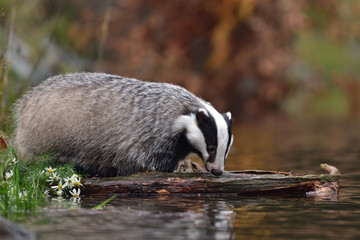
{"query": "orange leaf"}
(163, 191)
(3, 141)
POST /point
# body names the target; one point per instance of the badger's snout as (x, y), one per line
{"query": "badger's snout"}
(216, 172)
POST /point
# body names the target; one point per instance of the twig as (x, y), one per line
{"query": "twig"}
(104, 35)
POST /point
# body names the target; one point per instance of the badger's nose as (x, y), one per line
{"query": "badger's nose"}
(216, 172)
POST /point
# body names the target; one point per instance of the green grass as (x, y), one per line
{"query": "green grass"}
(25, 185)
(101, 205)
(19, 194)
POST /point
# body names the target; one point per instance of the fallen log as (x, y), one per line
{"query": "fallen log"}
(248, 182)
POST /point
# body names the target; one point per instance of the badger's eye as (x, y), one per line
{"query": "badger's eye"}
(211, 149)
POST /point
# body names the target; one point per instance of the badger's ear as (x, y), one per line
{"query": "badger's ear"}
(227, 116)
(201, 115)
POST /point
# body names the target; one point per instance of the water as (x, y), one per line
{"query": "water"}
(273, 145)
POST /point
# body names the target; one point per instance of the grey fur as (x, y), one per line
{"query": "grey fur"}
(106, 124)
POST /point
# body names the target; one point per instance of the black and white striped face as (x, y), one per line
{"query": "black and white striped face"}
(209, 132)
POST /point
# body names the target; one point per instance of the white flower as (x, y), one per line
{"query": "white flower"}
(68, 181)
(75, 193)
(76, 182)
(60, 186)
(53, 178)
(46, 193)
(14, 161)
(59, 192)
(50, 169)
(9, 174)
(23, 194)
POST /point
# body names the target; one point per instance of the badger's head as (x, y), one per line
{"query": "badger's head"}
(209, 134)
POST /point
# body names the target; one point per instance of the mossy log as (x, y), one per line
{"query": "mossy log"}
(248, 182)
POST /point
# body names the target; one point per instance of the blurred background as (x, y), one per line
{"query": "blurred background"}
(254, 58)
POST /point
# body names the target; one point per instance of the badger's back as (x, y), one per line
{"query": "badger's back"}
(107, 124)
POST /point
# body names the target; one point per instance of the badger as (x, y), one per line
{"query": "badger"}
(109, 125)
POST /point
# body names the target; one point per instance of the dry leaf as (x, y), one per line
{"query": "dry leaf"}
(3, 141)
(163, 191)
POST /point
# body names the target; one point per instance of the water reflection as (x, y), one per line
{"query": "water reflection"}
(141, 217)
(283, 146)
(194, 217)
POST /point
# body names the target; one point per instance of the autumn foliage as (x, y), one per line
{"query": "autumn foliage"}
(251, 57)
(232, 52)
